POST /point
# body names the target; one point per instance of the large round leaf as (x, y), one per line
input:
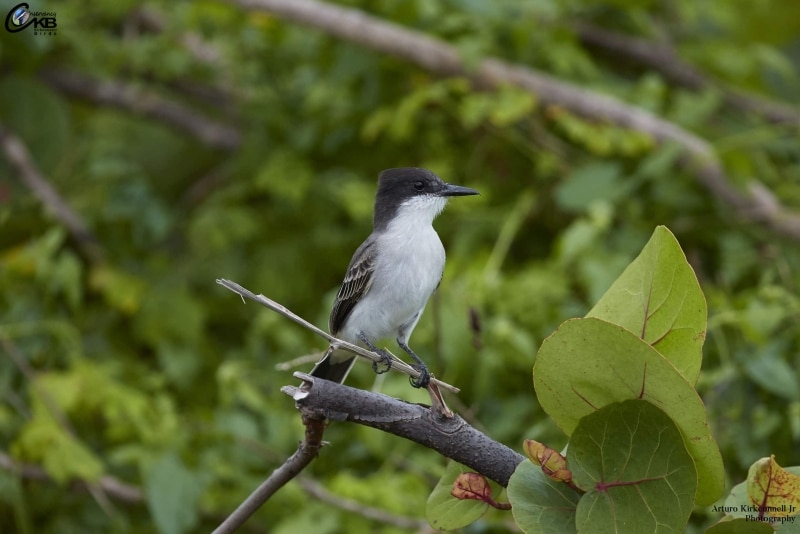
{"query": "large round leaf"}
(589, 363)
(631, 460)
(659, 299)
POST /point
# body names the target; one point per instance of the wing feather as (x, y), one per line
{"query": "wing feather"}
(356, 284)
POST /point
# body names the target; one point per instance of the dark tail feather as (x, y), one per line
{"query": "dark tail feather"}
(334, 366)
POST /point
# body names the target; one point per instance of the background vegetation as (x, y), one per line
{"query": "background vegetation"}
(150, 148)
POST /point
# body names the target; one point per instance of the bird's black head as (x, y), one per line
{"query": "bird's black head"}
(412, 188)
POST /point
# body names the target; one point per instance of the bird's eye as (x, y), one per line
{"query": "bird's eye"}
(419, 185)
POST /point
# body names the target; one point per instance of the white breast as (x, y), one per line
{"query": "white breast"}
(408, 269)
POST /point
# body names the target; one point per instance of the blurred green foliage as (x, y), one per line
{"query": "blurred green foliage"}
(142, 368)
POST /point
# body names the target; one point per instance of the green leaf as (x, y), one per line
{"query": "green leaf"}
(173, 493)
(445, 512)
(659, 299)
(639, 477)
(539, 504)
(589, 363)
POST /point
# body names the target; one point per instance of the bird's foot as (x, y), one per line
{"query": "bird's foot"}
(424, 377)
(386, 361)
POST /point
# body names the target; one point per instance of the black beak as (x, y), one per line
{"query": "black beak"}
(450, 190)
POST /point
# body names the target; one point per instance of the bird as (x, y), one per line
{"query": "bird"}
(393, 273)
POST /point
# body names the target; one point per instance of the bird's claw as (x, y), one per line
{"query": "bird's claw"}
(423, 379)
(386, 360)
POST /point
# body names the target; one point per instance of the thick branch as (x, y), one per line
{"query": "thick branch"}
(451, 437)
(441, 58)
(16, 153)
(130, 98)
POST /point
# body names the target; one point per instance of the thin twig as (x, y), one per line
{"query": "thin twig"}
(20, 159)
(396, 363)
(305, 453)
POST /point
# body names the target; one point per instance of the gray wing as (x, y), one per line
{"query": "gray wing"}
(356, 284)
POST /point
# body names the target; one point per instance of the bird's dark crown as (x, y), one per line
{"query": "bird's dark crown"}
(407, 182)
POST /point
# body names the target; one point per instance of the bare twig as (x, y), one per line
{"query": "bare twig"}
(662, 58)
(396, 363)
(451, 437)
(306, 451)
(318, 491)
(20, 159)
(441, 58)
(130, 98)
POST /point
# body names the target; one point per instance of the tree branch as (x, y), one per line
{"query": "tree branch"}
(18, 156)
(441, 58)
(451, 437)
(662, 58)
(133, 99)
(322, 400)
(306, 451)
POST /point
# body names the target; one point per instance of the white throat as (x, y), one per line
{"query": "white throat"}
(417, 212)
